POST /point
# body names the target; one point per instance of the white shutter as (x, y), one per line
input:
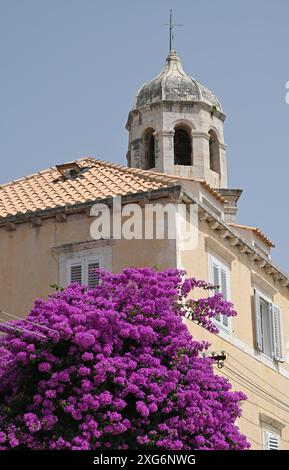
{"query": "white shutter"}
(277, 334)
(92, 280)
(271, 441)
(224, 283)
(216, 277)
(224, 290)
(217, 282)
(258, 323)
(266, 440)
(76, 273)
(220, 279)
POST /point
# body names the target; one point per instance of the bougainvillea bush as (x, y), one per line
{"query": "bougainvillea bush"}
(116, 368)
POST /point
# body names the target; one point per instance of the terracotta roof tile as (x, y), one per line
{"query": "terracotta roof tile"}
(258, 233)
(49, 189)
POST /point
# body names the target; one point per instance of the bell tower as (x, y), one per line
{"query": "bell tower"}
(176, 126)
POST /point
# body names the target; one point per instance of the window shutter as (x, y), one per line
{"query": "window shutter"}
(92, 280)
(76, 273)
(216, 277)
(224, 283)
(221, 283)
(217, 282)
(266, 440)
(277, 334)
(258, 324)
(271, 441)
(224, 290)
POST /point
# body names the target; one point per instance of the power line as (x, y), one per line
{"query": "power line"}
(256, 387)
(256, 393)
(251, 389)
(243, 377)
(259, 427)
(18, 328)
(28, 321)
(250, 370)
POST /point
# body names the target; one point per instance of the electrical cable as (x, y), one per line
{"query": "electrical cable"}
(254, 392)
(28, 321)
(18, 328)
(250, 370)
(243, 377)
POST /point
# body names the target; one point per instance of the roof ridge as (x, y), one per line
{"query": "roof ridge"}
(41, 172)
(257, 230)
(38, 191)
(148, 174)
(249, 227)
(162, 177)
(117, 175)
(153, 175)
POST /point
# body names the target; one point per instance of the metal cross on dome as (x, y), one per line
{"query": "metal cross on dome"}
(171, 25)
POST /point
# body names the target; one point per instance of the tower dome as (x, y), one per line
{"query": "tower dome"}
(176, 126)
(173, 84)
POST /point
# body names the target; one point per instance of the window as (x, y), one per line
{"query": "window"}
(77, 261)
(214, 152)
(149, 149)
(271, 440)
(81, 270)
(219, 275)
(182, 147)
(71, 170)
(269, 327)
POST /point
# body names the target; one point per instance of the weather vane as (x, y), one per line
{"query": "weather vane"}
(171, 27)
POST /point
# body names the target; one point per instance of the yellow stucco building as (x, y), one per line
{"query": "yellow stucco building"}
(176, 156)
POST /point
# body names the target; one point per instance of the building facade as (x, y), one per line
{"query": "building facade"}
(176, 156)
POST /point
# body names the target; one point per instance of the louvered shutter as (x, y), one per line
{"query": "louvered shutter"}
(76, 273)
(277, 334)
(92, 280)
(221, 283)
(224, 290)
(216, 277)
(217, 282)
(271, 441)
(258, 323)
(224, 283)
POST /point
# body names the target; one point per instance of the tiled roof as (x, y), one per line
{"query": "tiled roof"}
(257, 232)
(48, 189)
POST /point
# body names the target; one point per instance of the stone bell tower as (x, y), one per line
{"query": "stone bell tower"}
(176, 127)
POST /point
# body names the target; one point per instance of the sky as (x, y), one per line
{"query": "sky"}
(70, 69)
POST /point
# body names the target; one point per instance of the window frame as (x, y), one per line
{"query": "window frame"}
(258, 327)
(101, 255)
(179, 128)
(271, 434)
(84, 262)
(214, 152)
(213, 260)
(149, 148)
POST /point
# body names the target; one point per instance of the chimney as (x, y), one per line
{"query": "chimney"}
(230, 209)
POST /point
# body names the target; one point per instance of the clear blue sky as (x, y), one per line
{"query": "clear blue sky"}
(70, 70)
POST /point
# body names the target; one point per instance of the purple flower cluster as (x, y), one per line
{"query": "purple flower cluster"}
(117, 369)
(32, 422)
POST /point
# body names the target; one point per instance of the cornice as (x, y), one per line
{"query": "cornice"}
(234, 240)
